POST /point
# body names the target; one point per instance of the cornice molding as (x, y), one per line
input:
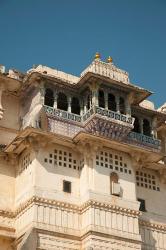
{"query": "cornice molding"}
(152, 225)
(68, 206)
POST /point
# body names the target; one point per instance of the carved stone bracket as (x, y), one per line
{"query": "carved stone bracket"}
(108, 129)
(88, 149)
(139, 160)
(9, 159)
(35, 142)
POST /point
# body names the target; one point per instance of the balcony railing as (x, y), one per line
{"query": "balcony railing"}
(109, 114)
(132, 137)
(94, 110)
(141, 139)
(62, 114)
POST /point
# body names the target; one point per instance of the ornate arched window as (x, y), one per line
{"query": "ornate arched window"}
(75, 106)
(62, 101)
(111, 102)
(136, 125)
(49, 97)
(122, 105)
(146, 127)
(101, 99)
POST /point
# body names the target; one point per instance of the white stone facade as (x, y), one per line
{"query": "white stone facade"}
(82, 172)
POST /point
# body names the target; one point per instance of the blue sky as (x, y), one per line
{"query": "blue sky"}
(65, 34)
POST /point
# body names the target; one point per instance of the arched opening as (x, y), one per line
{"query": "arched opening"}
(114, 182)
(111, 102)
(101, 99)
(62, 101)
(146, 127)
(136, 125)
(75, 106)
(49, 98)
(122, 106)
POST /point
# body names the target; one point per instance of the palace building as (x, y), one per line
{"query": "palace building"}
(82, 161)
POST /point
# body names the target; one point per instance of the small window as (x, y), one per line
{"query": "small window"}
(142, 205)
(67, 186)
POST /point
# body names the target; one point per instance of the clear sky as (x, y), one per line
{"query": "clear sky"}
(65, 34)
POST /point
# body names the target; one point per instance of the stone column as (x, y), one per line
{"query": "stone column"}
(154, 126)
(127, 107)
(117, 104)
(85, 104)
(94, 89)
(55, 99)
(106, 100)
(69, 103)
(2, 88)
(81, 107)
(141, 125)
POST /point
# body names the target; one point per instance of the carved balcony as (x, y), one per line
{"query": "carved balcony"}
(142, 140)
(100, 122)
(110, 124)
(61, 114)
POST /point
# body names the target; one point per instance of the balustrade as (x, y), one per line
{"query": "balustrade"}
(139, 138)
(132, 137)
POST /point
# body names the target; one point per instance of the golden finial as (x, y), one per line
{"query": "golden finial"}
(97, 55)
(109, 59)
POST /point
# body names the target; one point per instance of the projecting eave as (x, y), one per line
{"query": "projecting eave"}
(157, 166)
(140, 94)
(38, 77)
(160, 115)
(36, 138)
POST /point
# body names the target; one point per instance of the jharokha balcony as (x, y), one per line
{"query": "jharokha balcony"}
(100, 122)
(101, 102)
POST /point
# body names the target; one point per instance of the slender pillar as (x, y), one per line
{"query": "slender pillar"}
(85, 104)
(117, 104)
(69, 104)
(55, 99)
(94, 89)
(106, 100)
(141, 125)
(81, 107)
(127, 107)
(154, 126)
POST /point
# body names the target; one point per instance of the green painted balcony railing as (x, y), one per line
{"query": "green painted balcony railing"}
(109, 114)
(62, 114)
(94, 110)
(132, 137)
(144, 140)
